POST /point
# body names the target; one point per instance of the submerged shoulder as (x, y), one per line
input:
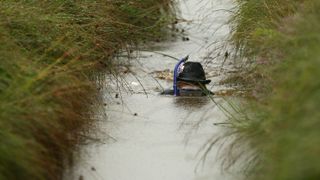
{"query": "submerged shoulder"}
(196, 93)
(188, 92)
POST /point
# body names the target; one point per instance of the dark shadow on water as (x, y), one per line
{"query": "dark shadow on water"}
(191, 103)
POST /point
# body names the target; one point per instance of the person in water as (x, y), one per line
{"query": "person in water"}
(189, 80)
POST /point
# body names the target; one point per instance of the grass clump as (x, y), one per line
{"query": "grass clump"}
(48, 51)
(280, 42)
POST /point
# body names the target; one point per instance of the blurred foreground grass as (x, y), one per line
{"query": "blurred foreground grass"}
(279, 42)
(47, 51)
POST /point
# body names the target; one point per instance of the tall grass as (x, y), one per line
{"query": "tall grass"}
(281, 40)
(48, 50)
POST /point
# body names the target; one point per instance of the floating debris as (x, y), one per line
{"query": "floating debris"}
(185, 39)
(123, 69)
(230, 92)
(166, 74)
(135, 83)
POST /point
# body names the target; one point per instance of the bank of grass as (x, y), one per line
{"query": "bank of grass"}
(279, 41)
(48, 50)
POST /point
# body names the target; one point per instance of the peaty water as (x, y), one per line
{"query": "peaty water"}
(145, 136)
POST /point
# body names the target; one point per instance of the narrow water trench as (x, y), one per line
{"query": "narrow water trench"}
(151, 137)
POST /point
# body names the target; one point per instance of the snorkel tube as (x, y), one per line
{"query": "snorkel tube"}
(175, 76)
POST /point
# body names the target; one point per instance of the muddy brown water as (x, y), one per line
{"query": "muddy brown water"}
(144, 136)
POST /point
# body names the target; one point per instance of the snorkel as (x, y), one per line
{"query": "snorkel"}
(175, 76)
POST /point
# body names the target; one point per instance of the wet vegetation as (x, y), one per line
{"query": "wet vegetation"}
(48, 51)
(278, 42)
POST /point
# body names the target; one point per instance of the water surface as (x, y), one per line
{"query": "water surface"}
(145, 136)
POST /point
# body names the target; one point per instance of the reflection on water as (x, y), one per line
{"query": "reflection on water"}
(153, 137)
